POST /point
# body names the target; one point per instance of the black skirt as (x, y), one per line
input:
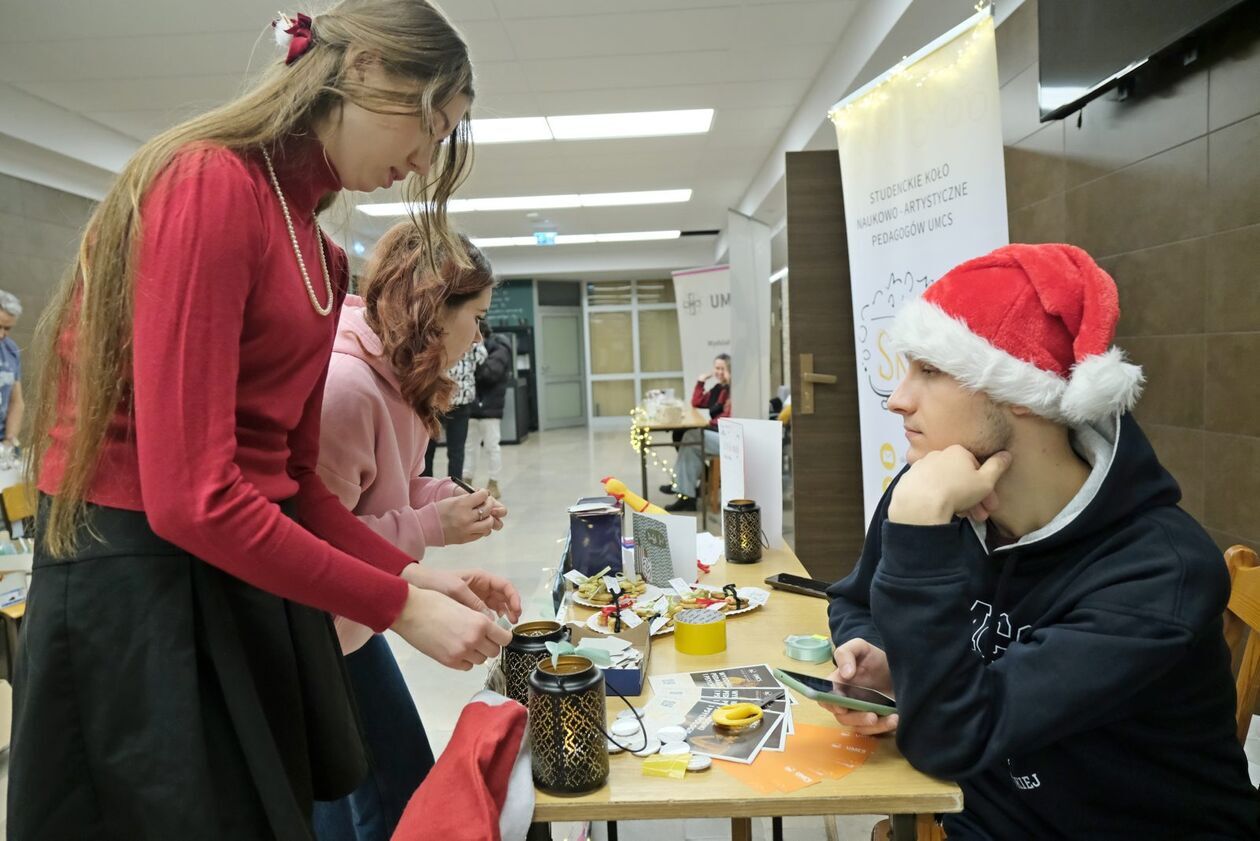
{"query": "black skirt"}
(157, 697)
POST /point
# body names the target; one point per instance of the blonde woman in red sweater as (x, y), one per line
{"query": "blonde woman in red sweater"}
(179, 676)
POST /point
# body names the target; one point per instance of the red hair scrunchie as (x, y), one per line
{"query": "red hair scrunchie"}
(301, 37)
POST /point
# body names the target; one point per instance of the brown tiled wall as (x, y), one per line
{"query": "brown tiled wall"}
(39, 232)
(1164, 190)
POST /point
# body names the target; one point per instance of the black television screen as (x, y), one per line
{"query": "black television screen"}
(1086, 46)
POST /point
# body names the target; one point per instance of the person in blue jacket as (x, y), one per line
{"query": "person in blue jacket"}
(1047, 618)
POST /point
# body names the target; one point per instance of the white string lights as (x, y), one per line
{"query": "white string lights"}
(911, 70)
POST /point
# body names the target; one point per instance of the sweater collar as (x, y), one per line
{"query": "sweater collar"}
(305, 173)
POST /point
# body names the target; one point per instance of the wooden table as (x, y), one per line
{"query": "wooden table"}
(884, 785)
(691, 419)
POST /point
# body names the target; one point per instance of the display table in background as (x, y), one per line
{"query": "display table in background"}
(643, 429)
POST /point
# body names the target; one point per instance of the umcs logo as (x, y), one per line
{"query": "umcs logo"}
(692, 303)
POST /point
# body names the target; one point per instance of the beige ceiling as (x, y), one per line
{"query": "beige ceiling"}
(82, 82)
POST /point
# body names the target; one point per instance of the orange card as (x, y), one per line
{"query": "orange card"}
(812, 754)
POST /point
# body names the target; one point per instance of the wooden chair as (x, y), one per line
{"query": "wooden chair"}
(925, 829)
(17, 503)
(1243, 614)
(713, 483)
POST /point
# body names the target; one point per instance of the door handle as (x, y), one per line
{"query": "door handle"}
(808, 380)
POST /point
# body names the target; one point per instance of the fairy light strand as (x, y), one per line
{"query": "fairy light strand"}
(964, 52)
(641, 439)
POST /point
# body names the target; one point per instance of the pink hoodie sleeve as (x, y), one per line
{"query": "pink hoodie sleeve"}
(347, 457)
(425, 490)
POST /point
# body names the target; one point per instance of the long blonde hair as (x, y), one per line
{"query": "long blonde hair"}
(409, 39)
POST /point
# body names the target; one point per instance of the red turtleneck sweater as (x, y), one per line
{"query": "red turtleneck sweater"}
(228, 379)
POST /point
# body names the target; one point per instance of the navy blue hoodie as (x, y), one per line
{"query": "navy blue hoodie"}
(1076, 683)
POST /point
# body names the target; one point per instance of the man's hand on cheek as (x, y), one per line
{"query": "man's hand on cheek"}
(945, 483)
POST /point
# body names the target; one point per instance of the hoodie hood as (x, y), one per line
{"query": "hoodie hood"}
(1125, 477)
(355, 338)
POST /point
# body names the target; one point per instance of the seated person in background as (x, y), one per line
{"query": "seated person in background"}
(1047, 618)
(712, 392)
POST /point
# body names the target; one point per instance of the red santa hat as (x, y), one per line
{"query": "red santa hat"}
(482, 785)
(1028, 325)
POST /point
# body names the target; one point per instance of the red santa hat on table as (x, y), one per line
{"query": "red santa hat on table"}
(481, 786)
(1028, 325)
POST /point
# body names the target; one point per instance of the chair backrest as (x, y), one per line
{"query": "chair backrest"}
(1244, 613)
(19, 502)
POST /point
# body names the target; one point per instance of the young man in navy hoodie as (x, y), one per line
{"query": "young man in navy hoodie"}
(1047, 618)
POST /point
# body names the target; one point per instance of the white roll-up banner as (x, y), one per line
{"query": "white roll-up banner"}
(924, 190)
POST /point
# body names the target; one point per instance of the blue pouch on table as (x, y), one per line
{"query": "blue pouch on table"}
(595, 535)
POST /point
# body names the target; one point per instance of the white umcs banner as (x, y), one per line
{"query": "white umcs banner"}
(924, 190)
(704, 320)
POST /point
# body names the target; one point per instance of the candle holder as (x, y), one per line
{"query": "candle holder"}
(566, 726)
(527, 648)
(741, 529)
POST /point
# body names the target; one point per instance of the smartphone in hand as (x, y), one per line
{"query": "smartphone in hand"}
(841, 694)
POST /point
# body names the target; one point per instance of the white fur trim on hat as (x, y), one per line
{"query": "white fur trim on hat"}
(924, 331)
(1101, 386)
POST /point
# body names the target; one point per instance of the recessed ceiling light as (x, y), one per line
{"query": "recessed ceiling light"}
(565, 200)
(577, 239)
(510, 130)
(636, 124)
(592, 126)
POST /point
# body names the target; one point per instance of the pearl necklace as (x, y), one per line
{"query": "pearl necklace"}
(297, 252)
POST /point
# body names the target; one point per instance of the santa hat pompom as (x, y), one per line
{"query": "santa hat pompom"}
(1100, 386)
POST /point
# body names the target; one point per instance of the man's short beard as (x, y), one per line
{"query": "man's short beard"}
(996, 436)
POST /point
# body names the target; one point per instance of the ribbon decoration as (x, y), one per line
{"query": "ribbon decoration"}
(300, 36)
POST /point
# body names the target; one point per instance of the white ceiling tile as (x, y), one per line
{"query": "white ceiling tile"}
(466, 10)
(194, 92)
(487, 41)
(501, 77)
(718, 95)
(640, 33)
(151, 63)
(515, 9)
(226, 53)
(33, 20)
(712, 67)
(140, 124)
(793, 23)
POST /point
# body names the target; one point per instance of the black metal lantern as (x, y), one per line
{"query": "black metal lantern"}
(741, 528)
(523, 653)
(566, 726)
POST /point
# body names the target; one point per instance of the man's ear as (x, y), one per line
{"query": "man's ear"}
(1020, 411)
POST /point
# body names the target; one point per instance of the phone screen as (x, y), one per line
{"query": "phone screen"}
(845, 690)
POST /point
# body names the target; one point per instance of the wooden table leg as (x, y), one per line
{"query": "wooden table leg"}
(776, 829)
(539, 832)
(702, 498)
(741, 829)
(612, 830)
(902, 827)
(643, 448)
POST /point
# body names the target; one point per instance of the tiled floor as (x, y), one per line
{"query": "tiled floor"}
(540, 479)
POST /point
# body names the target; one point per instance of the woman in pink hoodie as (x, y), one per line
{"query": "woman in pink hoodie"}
(386, 387)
